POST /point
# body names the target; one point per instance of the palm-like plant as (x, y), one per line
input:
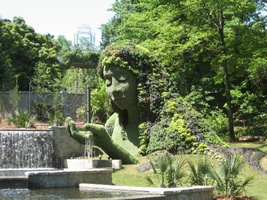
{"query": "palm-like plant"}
(227, 177)
(22, 119)
(199, 172)
(169, 170)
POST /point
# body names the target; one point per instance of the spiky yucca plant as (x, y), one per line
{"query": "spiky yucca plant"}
(227, 177)
(22, 119)
(199, 172)
(169, 170)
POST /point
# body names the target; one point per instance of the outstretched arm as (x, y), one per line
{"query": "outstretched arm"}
(78, 135)
(101, 139)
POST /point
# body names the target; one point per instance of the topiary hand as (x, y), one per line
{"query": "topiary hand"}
(101, 139)
(78, 135)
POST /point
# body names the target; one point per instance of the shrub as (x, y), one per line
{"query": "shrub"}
(101, 108)
(171, 132)
(199, 172)
(217, 122)
(22, 119)
(41, 109)
(227, 177)
(169, 171)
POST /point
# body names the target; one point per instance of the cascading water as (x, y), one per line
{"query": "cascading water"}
(88, 148)
(26, 148)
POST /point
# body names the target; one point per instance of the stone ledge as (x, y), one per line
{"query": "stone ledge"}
(192, 193)
(89, 164)
(68, 178)
(13, 182)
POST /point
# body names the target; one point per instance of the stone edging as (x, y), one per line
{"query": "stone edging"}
(253, 156)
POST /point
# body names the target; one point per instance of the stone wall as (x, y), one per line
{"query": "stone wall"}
(181, 193)
(68, 178)
(64, 146)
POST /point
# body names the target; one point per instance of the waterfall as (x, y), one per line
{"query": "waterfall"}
(26, 148)
(88, 149)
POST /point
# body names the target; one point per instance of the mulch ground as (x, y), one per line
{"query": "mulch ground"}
(4, 124)
(220, 197)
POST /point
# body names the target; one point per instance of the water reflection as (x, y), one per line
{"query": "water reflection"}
(62, 193)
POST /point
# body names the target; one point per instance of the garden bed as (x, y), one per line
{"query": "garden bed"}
(220, 197)
(38, 125)
(4, 124)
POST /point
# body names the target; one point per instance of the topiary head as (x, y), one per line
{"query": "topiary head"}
(144, 67)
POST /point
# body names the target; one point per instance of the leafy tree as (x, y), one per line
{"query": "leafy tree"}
(80, 70)
(202, 44)
(26, 54)
(48, 71)
(65, 44)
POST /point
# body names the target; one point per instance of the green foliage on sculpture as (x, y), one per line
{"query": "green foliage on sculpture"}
(180, 128)
(146, 118)
(172, 132)
(133, 83)
(144, 137)
(101, 139)
(146, 69)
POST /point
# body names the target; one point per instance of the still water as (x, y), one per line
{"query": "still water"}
(56, 194)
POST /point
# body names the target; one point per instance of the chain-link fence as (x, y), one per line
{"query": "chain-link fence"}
(44, 105)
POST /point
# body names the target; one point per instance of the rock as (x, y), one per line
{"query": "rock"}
(252, 139)
(144, 167)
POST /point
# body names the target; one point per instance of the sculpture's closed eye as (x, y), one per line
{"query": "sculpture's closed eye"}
(108, 82)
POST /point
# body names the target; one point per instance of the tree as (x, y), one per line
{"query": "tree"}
(201, 44)
(25, 54)
(228, 20)
(65, 44)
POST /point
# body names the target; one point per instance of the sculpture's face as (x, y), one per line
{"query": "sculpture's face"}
(121, 86)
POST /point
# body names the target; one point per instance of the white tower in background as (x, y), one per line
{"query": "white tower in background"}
(84, 38)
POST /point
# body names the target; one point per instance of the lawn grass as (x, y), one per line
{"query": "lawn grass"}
(129, 176)
(258, 188)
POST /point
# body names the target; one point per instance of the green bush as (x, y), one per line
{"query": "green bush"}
(40, 110)
(181, 129)
(22, 119)
(227, 177)
(100, 107)
(217, 122)
(199, 172)
(144, 137)
(171, 132)
(169, 171)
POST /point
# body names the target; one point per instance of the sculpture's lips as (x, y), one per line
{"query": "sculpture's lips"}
(119, 102)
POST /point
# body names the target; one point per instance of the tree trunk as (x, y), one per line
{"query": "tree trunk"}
(228, 102)
(226, 79)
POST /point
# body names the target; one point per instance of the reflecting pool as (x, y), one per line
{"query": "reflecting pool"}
(56, 194)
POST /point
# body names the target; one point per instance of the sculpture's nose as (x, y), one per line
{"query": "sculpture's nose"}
(116, 90)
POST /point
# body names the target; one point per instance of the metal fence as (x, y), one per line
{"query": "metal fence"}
(43, 104)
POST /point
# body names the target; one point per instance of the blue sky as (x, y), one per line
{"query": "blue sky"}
(59, 17)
